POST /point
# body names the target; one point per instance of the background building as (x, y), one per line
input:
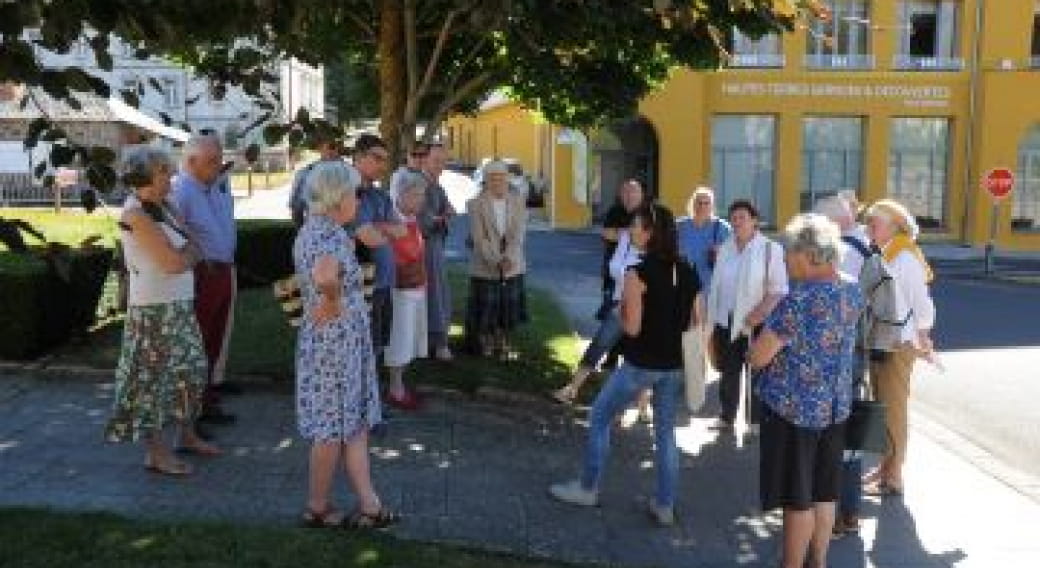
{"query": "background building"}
(913, 99)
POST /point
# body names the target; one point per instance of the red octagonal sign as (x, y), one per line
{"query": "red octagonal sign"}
(999, 182)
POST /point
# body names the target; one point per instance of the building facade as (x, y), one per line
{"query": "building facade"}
(910, 99)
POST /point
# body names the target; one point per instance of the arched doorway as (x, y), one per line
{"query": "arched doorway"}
(1025, 207)
(626, 149)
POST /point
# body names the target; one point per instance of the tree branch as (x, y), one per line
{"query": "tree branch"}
(468, 88)
(417, 92)
(366, 28)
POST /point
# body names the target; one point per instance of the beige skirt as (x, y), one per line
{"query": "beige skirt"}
(408, 332)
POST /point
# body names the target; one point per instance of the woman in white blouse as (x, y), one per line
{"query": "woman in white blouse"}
(893, 230)
(749, 279)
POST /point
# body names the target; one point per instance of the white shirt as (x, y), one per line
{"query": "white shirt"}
(742, 278)
(913, 294)
(147, 282)
(852, 259)
(500, 208)
(625, 256)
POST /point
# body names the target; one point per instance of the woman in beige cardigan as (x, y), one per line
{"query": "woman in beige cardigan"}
(498, 226)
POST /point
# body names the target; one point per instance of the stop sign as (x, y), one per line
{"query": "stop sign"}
(999, 182)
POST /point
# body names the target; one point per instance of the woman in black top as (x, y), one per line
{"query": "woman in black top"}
(657, 305)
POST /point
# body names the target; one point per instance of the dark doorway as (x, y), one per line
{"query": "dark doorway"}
(624, 150)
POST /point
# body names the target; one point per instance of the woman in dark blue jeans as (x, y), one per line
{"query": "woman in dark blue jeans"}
(657, 305)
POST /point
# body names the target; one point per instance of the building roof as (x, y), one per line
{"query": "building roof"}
(94, 109)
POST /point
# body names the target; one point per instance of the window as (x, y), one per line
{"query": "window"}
(928, 38)
(918, 167)
(743, 160)
(832, 157)
(171, 93)
(843, 40)
(1035, 48)
(1025, 204)
(762, 52)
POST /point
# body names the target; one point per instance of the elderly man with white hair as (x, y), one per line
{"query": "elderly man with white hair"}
(202, 195)
(853, 235)
(337, 392)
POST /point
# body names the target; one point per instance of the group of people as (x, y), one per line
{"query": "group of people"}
(789, 319)
(800, 322)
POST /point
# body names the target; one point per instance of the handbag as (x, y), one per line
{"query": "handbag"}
(865, 429)
(694, 367)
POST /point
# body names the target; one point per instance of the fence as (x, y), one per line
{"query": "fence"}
(21, 189)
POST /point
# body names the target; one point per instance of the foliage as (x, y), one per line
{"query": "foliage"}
(39, 538)
(264, 251)
(42, 306)
(577, 61)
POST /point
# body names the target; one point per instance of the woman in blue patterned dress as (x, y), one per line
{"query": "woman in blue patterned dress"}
(804, 357)
(337, 397)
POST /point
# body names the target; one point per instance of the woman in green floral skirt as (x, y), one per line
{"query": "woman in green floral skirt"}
(162, 365)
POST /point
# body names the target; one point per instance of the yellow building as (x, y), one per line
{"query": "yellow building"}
(913, 99)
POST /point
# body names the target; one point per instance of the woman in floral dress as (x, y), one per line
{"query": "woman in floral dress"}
(162, 367)
(337, 397)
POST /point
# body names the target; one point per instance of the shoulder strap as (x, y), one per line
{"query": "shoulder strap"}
(858, 245)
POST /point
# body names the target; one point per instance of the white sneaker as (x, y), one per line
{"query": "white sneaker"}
(573, 493)
(663, 516)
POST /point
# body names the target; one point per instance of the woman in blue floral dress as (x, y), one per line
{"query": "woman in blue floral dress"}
(804, 356)
(337, 397)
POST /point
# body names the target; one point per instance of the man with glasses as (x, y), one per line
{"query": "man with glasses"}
(374, 227)
(328, 151)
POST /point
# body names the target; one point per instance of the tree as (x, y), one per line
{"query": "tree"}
(579, 62)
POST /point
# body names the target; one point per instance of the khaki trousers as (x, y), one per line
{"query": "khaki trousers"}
(891, 384)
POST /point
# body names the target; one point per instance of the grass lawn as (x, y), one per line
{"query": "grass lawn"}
(35, 538)
(262, 344)
(70, 226)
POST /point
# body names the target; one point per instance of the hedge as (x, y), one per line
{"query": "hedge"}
(39, 308)
(264, 251)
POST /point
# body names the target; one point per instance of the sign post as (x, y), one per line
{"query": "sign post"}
(999, 182)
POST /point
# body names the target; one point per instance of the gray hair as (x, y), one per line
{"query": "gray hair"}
(815, 235)
(410, 181)
(835, 208)
(199, 142)
(328, 183)
(697, 192)
(141, 162)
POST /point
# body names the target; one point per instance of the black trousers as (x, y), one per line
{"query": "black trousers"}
(732, 357)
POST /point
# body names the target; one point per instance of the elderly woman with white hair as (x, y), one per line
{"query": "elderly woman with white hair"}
(498, 230)
(161, 372)
(337, 396)
(803, 358)
(408, 330)
(893, 230)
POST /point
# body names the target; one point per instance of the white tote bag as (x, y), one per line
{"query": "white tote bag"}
(695, 367)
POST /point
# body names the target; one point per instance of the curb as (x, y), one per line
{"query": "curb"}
(1014, 478)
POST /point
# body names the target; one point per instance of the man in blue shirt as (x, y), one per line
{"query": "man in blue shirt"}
(702, 233)
(375, 225)
(328, 151)
(202, 195)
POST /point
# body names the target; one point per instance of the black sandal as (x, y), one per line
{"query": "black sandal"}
(327, 519)
(376, 521)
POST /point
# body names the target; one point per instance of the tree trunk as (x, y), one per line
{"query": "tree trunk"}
(392, 87)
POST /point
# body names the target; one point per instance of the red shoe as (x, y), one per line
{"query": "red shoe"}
(407, 402)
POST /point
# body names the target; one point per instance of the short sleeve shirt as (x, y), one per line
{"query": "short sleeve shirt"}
(374, 206)
(809, 382)
(695, 243)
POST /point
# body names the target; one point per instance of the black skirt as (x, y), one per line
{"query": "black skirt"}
(799, 466)
(495, 305)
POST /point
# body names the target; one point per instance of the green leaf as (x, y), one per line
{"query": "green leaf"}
(252, 153)
(303, 116)
(295, 138)
(130, 97)
(40, 169)
(273, 133)
(62, 155)
(89, 200)
(101, 155)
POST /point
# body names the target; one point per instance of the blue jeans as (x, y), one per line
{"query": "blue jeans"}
(607, 336)
(620, 390)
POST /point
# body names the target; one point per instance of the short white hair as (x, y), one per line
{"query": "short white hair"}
(815, 235)
(199, 142)
(408, 182)
(140, 164)
(697, 192)
(328, 183)
(835, 208)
